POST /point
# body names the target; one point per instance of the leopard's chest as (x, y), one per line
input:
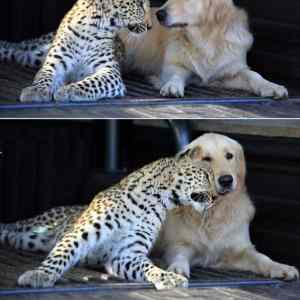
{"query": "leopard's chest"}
(85, 29)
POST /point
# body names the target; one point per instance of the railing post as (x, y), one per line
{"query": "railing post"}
(112, 146)
(181, 132)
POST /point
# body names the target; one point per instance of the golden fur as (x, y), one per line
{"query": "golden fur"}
(204, 39)
(220, 237)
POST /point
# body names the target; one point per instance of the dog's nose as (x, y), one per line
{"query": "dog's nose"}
(161, 15)
(226, 181)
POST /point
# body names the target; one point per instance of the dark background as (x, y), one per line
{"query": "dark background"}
(45, 164)
(276, 25)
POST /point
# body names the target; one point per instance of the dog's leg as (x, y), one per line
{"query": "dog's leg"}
(250, 259)
(178, 259)
(173, 80)
(253, 82)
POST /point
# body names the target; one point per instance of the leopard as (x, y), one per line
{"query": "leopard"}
(81, 63)
(31, 53)
(119, 228)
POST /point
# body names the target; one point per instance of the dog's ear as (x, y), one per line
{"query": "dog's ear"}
(196, 153)
(218, 13)
(241, 160)
(193, 153)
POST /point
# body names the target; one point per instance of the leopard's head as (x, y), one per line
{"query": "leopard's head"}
(133, 14)
(194, 184)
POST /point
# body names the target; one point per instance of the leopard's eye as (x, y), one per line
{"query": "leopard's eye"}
(229, 156)
(207, 158)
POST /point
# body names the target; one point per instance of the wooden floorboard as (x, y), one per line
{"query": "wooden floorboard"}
(144, 102)
(13, 263)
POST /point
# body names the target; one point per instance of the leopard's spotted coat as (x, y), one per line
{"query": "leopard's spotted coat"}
(81, 64)
(118, 229)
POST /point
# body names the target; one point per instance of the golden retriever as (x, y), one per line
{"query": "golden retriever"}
(204, 39)
(220, 238)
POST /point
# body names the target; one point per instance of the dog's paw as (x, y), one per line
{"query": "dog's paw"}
(173, 89)
(170, 280)
(36, 279)
(181, 268)
(281, 271)
(272, 90)
(35, 94)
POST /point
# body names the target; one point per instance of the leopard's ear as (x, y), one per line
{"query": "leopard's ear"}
(194, 153)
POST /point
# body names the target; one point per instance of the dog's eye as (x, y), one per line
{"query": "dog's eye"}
(207, 158)
(229, 156)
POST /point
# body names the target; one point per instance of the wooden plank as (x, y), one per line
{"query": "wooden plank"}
(13, 263)
(291, 110)
(136, 104)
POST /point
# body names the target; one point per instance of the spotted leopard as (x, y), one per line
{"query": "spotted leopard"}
(81, 64)
(33, 52)
(118, 229)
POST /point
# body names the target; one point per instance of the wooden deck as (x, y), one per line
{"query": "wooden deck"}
(144, 102)
(91, 284)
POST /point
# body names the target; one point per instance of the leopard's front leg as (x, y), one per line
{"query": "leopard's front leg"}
(72, 248)
(50, 77)
(106, 82)
(103, 76)
(130, 261)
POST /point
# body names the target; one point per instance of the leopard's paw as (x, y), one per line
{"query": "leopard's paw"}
(35, 94)
(76, 93)
(170, 280)
(69, 93)
(37, 279)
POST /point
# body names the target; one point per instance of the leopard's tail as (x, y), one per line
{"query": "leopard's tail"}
(26, 237)
(28, 53)
(39, 233)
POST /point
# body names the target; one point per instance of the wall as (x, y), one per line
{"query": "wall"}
(276, 26)
(22, 19)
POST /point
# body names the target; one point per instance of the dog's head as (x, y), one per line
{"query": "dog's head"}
(182, 13)
(226, 157)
